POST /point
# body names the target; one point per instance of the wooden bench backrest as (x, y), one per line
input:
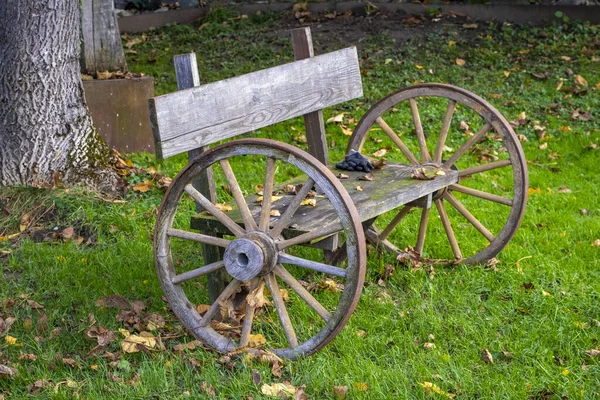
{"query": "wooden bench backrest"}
(192, 118)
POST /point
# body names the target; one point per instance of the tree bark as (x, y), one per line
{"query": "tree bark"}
(46, 131)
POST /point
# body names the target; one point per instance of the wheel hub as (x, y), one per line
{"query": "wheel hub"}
(249, 256)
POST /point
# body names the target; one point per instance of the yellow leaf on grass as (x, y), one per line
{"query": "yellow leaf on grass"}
(142, 186)
(279, 390)
(460, 62)
(257, 340)
(309, 202)
(451, 43)
(275, 213)
(361, 386)
(134, 343)
(580, 80)
(419, 66)
(338, 119)
(596, 243)
(559, 85)
(533, 190)
(506, 74)
(431, 387)
(380, 153)
(10, 340)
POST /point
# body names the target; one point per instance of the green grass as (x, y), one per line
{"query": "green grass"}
(540, 303)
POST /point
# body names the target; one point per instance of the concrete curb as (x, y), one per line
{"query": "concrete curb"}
(517, 13)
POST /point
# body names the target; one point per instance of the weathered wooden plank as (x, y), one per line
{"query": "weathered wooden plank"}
(313, 122)
(391, 188)
(200, 116)
(186, 72)
(102, 48)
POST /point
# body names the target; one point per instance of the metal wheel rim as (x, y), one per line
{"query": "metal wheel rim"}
(489, 114)
(186, 311)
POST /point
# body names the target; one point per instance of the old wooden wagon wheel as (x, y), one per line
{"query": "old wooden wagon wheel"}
(257, 255)
(448, 127)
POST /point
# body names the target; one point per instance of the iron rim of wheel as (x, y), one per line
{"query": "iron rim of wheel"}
(251, 241)
(493, 121)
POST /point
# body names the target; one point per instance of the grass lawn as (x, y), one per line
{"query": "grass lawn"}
(537, 311)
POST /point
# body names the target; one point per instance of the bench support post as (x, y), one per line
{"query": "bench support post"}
(313, 122)
(186, 71)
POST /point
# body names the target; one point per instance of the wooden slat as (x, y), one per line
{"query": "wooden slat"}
(392, 187)
(195, 117)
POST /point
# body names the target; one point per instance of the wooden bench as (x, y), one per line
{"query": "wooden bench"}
(246, 246)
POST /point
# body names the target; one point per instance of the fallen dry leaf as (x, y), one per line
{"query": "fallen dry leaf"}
(338, 119)
(429, 346)
(309, 202)
(256, 340)
(259, 199)
(367, 177)
(275, 213)
(580, 80)
(256, 298)
(543, 146)
(102, 335)
(593, 353)
(460, 62)
(596, 243)
(431, 387)
(113, 301)
(5, 370)
(340, 392)
(564, 189)
(224, 207)
(5, 325)
(285, 390)
(202, 308)
(470, 26)
(143, 186)
(343, 176)
(379, 164)
(359, 188)
(380, 153)
(486, 356)
(135, 343)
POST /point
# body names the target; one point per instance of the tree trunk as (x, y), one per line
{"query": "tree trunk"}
(46, 132)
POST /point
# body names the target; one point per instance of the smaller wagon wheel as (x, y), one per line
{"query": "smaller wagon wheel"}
(257, 256)
(449, 128)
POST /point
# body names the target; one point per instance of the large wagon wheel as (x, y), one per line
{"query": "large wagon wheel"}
(448, 127)
(256, 254)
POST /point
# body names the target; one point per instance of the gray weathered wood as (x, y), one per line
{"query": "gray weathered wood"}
(186, 72)
(196, 117)
(313, 122)
(392, 187)
(101, 45)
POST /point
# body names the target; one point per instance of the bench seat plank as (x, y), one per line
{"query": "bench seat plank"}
(195, 117)
(392, 187)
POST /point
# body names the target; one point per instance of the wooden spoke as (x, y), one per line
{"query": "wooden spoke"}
(195, 273)
(422, 230)
(198, 237)
(248, 318)
(419, 129)
(288, 329)
(461, 209)
(482, 195)
(284, 220)
(315, 266)
(309, 236)
(437, 157)
(214, 211)
(233, 287)
(392, 135)
(467, 145)
(388, 229)
(265, 212)
(249, 222)
(484, 167)
(448, 228)
(301, 291)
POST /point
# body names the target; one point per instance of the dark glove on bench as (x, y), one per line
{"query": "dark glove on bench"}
(355, 162)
